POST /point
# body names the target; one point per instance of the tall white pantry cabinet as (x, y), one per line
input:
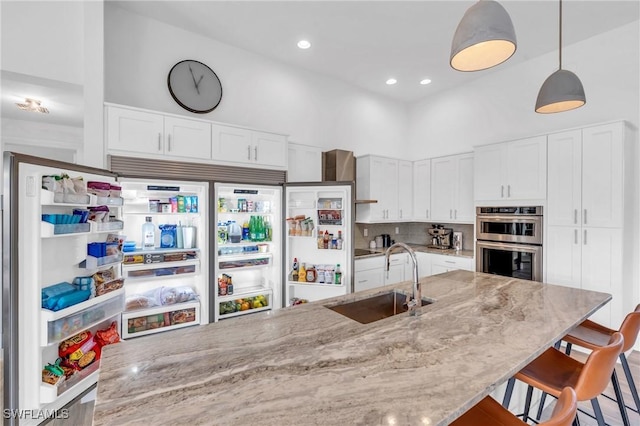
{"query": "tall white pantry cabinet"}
(590, 213)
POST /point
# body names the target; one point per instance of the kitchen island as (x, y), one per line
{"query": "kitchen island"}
(310, 365)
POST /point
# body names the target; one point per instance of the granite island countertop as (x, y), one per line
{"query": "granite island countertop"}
(310, 365)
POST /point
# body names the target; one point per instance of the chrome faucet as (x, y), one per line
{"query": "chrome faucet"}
(416, 302)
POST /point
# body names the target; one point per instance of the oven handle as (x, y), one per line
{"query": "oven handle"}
(510, 219)
(529, 248)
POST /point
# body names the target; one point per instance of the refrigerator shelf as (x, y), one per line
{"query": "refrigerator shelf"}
(79, 380)
(92, 263)
(159, 250)
(108, 201)
(245, 292)
(305, 284)
(49, 230)
(114, 225)
(67, 322)
(50, 198)
(142, 322)
(248, 311)
(160, 271)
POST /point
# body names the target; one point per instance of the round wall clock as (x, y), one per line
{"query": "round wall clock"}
(194, 86)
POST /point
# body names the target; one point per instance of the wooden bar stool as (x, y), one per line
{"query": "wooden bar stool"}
(554, 370)
(592, 335)
(490, 412)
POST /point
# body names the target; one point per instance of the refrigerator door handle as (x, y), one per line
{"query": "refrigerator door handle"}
(159, 142)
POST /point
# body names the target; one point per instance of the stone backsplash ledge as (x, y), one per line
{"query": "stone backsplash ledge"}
(409, 232)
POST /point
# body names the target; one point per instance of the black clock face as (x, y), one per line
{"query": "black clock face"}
(194, 86)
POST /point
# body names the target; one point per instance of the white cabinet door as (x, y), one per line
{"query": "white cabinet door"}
(134, 131)
(564, 179)
(376, 185)
(443, 176)
(602, 176)
(368, 279)
(389, 188)
(187, 138)
(602, 270)
(405, 190)
(437, 268)
(527, 169)
(490, 172)
(231, 144)
(305, 163)
(421, 190)
(424, 264)
(563, 247)
(463, 210)
(269, 149)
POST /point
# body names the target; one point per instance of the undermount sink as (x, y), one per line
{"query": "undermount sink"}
(376, 307)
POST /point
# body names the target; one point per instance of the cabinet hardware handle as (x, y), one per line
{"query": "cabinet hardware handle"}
(508, 191)
(575, 216)
(449, 261)
(169, 142)
(575, 236)
(400, 213)
(427, 213)
(501, 191)
(584, 241)
(248, 152)
(455, 213)
(585, 216)
(255, 151)
(450, 214)
(159, 142)
(362, 281)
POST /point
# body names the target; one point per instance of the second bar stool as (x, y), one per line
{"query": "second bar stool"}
(553, 370)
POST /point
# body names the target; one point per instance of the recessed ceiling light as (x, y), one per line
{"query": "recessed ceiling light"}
(425, 81)
(304, 44)
(392, 81)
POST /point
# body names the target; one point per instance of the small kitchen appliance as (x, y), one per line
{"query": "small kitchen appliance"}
(440, 237)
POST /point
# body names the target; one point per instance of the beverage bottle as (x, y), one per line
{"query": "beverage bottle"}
(294, 270)
(260, 232)
(326, 239)
(302, 274)
(148, 234)
(245, 230)
(252, 229)
(338, 277)
(339, 241)
(268, 230)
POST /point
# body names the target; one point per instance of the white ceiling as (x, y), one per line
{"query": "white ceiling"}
(365, 42)
(360, 42)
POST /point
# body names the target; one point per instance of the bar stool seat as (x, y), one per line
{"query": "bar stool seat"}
(553, 370)
(490, 412)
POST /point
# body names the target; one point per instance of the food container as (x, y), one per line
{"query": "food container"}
(263, 248)
(115, 191)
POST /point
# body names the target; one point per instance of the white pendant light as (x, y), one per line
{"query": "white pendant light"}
(562, 90)
(484, 38)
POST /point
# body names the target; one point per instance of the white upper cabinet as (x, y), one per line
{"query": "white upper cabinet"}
(586, 177)
(134, 131)
(378, 178)
(452, 189)
(421, 190)
(305, 163)
(248, 147)
(514, 170)
(405, 190)
(187, 138)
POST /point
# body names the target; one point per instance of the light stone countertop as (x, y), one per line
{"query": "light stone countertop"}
(308, 365)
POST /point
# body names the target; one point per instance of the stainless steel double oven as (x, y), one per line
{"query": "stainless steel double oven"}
(509, 241)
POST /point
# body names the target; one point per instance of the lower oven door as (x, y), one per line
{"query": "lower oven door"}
(522, 261)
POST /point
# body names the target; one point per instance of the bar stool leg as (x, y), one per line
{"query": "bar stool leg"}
(632, 385)
(568, 349)
(507, 393)
(527, 404)
(541, 406)
(598, 412)
(619, 398)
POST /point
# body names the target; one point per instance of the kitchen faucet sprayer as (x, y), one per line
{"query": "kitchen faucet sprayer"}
(416, 301)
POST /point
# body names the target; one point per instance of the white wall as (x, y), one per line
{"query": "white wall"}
(500, 106)
(257, 92)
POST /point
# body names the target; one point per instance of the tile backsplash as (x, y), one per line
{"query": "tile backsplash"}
(409, 232)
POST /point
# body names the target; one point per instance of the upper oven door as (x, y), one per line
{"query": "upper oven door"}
(513, 229)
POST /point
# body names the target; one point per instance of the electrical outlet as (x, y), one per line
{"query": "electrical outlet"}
(365, 232)
(397, 230)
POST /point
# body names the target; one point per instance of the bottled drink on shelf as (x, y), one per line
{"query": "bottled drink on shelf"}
(260, 230)
(320, 273)
(326, 239)
(294, 270)
(320, 239)
(338, 277)
(245, 230)
(148, 234)
(268, 230)
(252, 229)
(302, 274)
(339, 241)
(328, 274)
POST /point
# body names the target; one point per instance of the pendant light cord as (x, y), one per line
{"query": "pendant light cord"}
(560, 35)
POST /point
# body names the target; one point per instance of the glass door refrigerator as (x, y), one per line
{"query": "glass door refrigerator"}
(319, 241)
(248, 250)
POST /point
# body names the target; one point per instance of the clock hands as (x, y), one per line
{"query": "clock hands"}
(194, 80)
(198, 83)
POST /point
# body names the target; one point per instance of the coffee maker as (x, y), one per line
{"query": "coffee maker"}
(440, 237)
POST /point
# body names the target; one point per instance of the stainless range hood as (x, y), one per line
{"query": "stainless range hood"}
(340, 166)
